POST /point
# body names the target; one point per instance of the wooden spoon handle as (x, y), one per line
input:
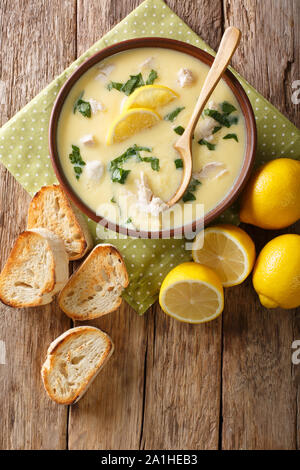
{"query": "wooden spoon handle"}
(228, 45)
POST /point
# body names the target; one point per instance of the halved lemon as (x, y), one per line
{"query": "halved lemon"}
(150, 96)
(130, 122)
(192, 293)
(228, 250)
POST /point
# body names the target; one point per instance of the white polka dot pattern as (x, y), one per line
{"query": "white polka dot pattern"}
(24, 148)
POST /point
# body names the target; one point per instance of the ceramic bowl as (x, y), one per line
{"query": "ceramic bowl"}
(199, 54)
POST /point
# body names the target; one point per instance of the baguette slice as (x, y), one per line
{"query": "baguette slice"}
(36, 270)
(51, 209)
(95, 288)
(73, 361)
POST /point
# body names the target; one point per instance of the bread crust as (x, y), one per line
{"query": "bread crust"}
(106, 249)
(50, 362)
(23, 243)
(37, 207)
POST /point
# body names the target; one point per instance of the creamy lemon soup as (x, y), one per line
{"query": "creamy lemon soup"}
(116, 134)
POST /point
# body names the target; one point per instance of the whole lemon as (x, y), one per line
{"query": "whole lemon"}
(276, 274)
(272, 197)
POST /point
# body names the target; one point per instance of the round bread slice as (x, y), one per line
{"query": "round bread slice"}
(36, 270)
(51, 209)
(73, 361)
(95, 288)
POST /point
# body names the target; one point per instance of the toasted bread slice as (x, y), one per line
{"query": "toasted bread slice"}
(95, 288)
(36, 270)
(73, 361)
(51, 209)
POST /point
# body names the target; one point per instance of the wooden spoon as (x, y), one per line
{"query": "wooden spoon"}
(228, 45)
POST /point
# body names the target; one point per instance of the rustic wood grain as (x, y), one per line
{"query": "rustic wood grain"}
(97, 17)
(268, 55)
(183, 381)
(185, 415)
(182, 399)
(32, 35)
(168, 385)
(110, 415)
(260, 385)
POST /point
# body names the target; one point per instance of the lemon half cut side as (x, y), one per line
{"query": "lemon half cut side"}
(192, 293)
(228, 250)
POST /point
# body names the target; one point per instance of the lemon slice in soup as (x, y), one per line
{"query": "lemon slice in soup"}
(150, 96)
(131, 122)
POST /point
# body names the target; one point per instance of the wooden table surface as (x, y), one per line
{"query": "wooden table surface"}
(229, 384)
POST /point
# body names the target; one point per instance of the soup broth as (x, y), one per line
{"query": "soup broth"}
(149, 169)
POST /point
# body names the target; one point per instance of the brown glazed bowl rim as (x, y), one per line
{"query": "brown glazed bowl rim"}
(204, 57)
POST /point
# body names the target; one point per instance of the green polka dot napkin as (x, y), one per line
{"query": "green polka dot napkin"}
(24, 149)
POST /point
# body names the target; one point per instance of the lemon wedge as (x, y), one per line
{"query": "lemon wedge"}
(150, 96)
(130, 122)
(228, 250)
(192, 293)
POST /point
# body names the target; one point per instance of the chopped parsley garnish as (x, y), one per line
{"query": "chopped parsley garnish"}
(178, 163)
(128, 87)
(113, 200)
(173, 114)
(153, 160)
(179, 130)
(114, 85)
(118, 174)
(208, 144)
(231, 136)
(216, 129)
(188, 195)
(221, 118)
(130, 152)
(129, 220)
(76, 160)
(233, 120)
(152, 76)
(224, 119)
(82, 106)
(227, 108)
(193, 184)
(135, 81)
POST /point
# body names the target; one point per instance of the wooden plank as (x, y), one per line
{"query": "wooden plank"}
(110, 415)
(182, 383)
(139, 410)
(268, 53)
(32, 35)
(95, 18)
(260, 386)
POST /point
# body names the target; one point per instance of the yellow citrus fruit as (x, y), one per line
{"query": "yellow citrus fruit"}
(150, 96)
(130, 122)
(272, 197)
(228, 250)
(192, 293)
(276, 275)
